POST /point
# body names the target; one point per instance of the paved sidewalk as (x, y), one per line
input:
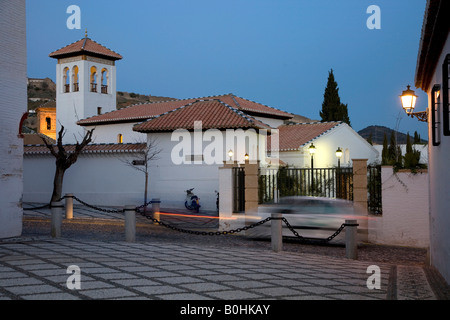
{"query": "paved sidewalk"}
(36, 267)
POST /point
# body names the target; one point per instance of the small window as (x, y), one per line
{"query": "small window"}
(119, 138)
(66, 80)
(99, 110)
(104, 81)
(48, 120)
(76, 85)
(93, 79)
(435, 115)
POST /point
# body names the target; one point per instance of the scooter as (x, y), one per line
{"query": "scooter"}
(192, 202)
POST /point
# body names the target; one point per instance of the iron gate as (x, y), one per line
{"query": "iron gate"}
(239, 189)
(282, 182)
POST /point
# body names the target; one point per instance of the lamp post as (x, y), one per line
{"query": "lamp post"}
(246, 157)
(409, 99)
(312, 151)
(338, 156)
(338, 173)
(230, 154)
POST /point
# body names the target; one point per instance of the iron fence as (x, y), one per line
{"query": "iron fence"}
(320, 182)
(239, 189)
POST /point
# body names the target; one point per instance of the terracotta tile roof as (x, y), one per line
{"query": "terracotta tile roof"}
(90, 148)
(146, 111)
(135, 113)
(294, 136)
(212, 113)
(85, 46)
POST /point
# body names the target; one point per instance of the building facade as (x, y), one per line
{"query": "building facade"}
(13, 94)
(432, 76)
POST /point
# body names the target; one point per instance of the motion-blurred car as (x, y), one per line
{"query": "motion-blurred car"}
(311, 217)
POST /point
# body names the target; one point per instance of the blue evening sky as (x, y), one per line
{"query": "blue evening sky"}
(277, 53)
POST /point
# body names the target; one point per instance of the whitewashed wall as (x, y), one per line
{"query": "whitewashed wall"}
(108, 133)
(438, 159)
(98, 179)
(344, 137)
(13, 94)
(405, 219)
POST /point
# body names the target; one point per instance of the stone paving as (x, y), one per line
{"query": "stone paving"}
(35, 267)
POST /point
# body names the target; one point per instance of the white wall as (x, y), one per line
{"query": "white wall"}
(98, 179)
(405, 219)
(342, 136)
(439, 173)
(75, 106)
(13, 94)
(108, 133)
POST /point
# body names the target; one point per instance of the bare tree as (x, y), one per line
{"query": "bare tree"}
(65, 159)
(142, 160)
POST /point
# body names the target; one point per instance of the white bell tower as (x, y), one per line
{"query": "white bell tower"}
(85, 85)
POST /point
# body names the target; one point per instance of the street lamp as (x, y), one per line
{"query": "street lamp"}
(312, 151)
(246, 157)
(230, 154)
(338, 173)
(409, 99)
(339, 155)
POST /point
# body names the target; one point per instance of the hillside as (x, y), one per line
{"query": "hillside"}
(41, 91)
(378, 132)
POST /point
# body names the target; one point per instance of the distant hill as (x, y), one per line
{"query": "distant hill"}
(41, 91)
(378, 132)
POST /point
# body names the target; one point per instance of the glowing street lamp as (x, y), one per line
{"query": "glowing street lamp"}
(230, 154)
(312, 151)
(246, 157)
(338, 156)
(409, 99)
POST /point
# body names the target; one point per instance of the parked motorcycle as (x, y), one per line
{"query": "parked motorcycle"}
(192, 202)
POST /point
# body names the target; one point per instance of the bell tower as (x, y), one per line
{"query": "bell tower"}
(85, 84)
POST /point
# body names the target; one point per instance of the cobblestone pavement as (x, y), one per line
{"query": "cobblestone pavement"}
(164, 264)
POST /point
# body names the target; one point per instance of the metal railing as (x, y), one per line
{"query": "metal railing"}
(320, 182)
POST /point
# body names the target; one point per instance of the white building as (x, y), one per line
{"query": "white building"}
(13, 94)
(85, 84)
(432, 76)
(194, 137)
(327, 137)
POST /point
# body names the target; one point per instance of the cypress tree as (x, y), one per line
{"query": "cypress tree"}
(385, 152)
(332, 108)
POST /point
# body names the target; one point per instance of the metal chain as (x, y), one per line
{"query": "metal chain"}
(44, 206)
(97, 208)
(204, 233)
(210, 233)
(313, 239)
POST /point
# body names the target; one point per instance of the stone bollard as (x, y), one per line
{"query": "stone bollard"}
(56, 219)
(130, 223)
(156, 204)
(351, 239)
(69, 206)
(277, 232)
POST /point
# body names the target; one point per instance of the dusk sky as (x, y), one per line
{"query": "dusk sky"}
(277, 53)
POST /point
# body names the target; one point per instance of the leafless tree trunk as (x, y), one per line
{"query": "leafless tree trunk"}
(64, 159)
(148, 154)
